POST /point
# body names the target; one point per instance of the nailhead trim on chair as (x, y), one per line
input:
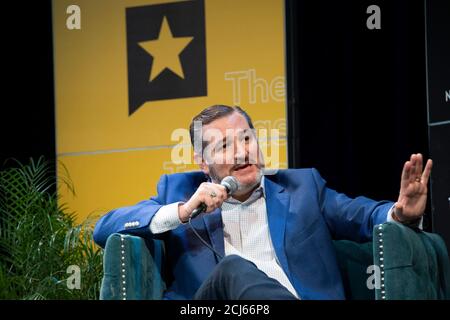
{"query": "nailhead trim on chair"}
(383, 291)
(124, 292)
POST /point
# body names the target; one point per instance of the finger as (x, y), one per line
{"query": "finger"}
(427, 171)
(205, 194)
(419, 166)
(415, 173)
(412, 171)
(406, 173)
(211, 190)
(215, 196)
(217, 202)
(210, 203)
(220, 190)
(202, 189)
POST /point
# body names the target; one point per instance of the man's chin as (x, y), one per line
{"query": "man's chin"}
(248, 181)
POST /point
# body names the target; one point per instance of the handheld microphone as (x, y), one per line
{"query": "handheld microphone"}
(231, 185)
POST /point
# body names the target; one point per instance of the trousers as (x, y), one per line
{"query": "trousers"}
(235, 278)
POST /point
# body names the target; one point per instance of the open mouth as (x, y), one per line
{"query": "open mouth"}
(241, 167)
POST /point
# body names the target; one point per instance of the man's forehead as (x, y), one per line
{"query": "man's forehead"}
(232, 121)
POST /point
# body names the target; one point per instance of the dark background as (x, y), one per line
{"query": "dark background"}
(438, 85)
(27, 126)
(357, 104)
(357, 97)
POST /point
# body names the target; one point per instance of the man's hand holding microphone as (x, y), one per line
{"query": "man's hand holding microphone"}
(208, 197)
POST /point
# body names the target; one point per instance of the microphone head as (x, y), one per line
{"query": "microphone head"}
(230, 183)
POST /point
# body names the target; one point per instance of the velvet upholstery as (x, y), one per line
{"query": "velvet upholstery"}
(400, 263)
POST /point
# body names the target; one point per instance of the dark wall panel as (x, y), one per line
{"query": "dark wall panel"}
(357, 97)
(438, 85)
(27, 110)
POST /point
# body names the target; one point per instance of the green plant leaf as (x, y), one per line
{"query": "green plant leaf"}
(40, 239)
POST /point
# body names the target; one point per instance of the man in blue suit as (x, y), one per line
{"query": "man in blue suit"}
(275, 231)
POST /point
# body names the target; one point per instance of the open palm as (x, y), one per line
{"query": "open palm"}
(413, 189)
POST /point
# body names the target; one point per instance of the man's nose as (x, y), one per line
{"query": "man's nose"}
(241, 154)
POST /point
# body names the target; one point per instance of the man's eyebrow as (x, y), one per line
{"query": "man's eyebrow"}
(244, 132)
(247, 131)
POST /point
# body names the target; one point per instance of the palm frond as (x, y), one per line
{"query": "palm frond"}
(39, 237)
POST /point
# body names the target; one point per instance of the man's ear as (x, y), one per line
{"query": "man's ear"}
(198, 159)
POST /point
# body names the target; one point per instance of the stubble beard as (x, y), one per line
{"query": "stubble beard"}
(243, 188)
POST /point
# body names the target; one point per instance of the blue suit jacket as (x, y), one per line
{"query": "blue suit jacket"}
(303, 215)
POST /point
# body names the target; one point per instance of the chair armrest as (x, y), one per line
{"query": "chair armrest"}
(413, 264)
(132, 268)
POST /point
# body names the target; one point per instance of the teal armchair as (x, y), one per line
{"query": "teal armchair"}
(399, 263)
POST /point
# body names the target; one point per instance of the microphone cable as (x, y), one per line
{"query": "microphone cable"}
(203, 241)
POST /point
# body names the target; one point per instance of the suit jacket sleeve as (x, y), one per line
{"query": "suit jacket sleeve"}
(348, 218)
(133, 219)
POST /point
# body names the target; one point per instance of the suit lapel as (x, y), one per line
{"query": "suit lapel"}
(277, 204)
(214, 227)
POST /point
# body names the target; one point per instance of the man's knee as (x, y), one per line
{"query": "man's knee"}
(217, 285)
(234, 264)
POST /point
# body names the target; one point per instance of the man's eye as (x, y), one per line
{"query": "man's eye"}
(221, 147)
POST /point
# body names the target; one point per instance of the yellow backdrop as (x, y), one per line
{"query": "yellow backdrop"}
(116, 158)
